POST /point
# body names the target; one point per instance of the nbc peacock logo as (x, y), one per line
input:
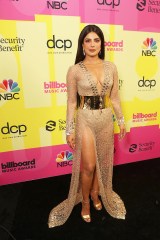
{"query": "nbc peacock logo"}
(64, 159)
(9, 90)
(149, 47)
(149, 43)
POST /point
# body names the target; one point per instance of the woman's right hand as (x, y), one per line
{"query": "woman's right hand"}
(71, 140)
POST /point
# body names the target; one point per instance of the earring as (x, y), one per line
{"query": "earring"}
(99, 53)
(84, 52)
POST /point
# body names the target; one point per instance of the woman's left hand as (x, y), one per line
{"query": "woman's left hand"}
(122, 131)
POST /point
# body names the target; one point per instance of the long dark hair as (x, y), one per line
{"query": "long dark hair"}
(87, 29)
(80, 56)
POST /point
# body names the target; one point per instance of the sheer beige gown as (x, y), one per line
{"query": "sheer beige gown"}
(100, 123)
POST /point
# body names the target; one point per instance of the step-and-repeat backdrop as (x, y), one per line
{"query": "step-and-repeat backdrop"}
(38, 43)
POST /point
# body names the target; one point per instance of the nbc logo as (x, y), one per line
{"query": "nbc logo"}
(57, 4)
(149, 43)
(149, 47)
(9, 86)
(64, 159)
(9, 90)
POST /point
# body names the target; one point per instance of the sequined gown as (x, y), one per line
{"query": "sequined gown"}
(100, 122)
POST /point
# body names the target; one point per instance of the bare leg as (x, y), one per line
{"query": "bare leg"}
(95, 185)
(88, 167)
(94, 192)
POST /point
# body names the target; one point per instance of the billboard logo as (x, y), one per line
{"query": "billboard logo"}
(50, 125)
(141, 4)
(146, 83)
(9, 90)
(64, 159)
(14, 166)
(140, 117)
(149, 47)
(111, 3)
(59, 43)
(55, 87)
(114, 46)
(57, 5)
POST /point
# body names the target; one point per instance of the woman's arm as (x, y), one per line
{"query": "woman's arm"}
(115, 99)
(71, 105)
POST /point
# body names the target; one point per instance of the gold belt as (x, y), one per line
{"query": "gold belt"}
(92, 102)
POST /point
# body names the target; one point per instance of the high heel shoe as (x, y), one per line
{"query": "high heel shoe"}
(86, 218)
(97, 206)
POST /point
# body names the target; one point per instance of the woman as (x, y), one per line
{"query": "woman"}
(92, 86)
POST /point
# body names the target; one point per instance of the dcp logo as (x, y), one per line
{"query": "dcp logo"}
(13, 129)
(59, 43)
(113, 3)
(146, 83)
(141, 5)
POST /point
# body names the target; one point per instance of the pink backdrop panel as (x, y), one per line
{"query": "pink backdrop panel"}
(118, 12)
(26, 10)
(35, 163)
(141, 143)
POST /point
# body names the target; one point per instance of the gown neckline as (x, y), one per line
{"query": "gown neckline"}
(92, 77)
